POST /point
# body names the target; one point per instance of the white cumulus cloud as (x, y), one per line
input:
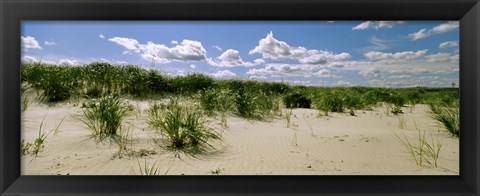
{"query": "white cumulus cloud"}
(29, 42)
(322, 57)
(128, 43)
(269, 47)
(187, 50)
(231, 58)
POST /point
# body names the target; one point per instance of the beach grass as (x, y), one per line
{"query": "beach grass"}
(183, 127)
(447, 116)
(104, 117)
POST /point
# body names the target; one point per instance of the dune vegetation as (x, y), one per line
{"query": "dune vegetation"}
(179, 104)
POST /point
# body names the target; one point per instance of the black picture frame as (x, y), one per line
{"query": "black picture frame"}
(12, 12)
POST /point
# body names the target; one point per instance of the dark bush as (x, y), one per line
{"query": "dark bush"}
(296, 100)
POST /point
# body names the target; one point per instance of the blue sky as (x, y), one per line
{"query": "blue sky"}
(330, 53)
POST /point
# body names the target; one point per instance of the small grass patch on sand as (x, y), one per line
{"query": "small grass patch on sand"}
(183, 127)
(104, 117)
(422, 151)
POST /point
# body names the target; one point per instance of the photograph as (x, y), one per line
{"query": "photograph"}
(256, 97)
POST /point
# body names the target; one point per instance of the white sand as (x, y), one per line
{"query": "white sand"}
(340, 144)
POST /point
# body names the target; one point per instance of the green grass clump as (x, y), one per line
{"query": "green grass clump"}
(447, 116)
(353, 102)
(330, 102)
(244, 103)
(209, 101)
(215, 100)
(105, 116)
(183, 127)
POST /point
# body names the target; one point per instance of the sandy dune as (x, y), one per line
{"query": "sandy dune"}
(339, 144)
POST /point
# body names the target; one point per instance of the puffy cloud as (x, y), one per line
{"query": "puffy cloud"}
(174, 42)
(187, 50)
(223, 74)
(423, 33)
(29, 42)
(442, 57)
(269, 47)
(52, 43)
(193, 66)
(101, 36)
(449, 44)
(322, 57)
(406, 55)
(231, 58)
(376, 24)
(128, 43)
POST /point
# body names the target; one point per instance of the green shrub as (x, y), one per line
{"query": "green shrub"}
(297, 100)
